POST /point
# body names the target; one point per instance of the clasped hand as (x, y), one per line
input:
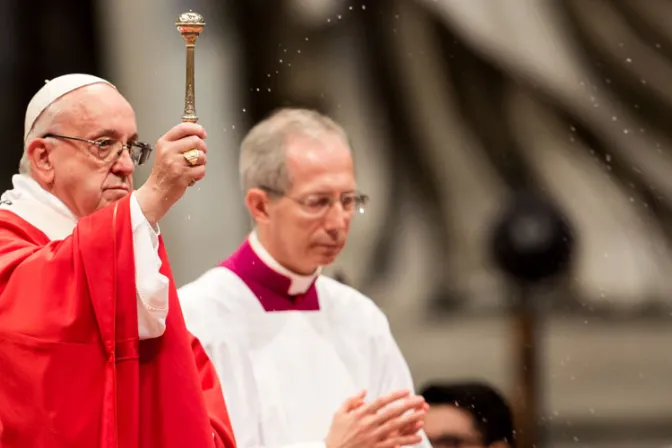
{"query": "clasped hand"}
(390, 421)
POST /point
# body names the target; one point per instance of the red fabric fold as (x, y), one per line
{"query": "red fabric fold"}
(73, 372)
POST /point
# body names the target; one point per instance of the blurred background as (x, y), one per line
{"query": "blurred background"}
(455, 108)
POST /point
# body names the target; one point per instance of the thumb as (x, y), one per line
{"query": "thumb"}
(353, 402)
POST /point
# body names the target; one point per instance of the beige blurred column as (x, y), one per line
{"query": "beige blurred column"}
(145, 57)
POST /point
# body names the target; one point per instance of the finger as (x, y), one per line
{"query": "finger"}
(195, 173)
(399, 441)
(185, 144)
(353, 402)
(183, 130)
(411, 428)
(189, 159)
(383, 401)
(414, 403)
(399, 423)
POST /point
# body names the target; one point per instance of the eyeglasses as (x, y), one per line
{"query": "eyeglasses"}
(319, 204)
(109, 147)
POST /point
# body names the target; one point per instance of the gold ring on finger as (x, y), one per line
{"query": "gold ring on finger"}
(192, 156)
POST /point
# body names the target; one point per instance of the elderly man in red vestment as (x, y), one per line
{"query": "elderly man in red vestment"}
(94, 351)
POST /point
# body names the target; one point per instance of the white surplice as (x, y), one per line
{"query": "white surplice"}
(285, 373)
(44, 211)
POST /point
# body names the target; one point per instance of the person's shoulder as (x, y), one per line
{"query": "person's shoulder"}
(17, 233)
(217, 287)
(12, 225)
(344, 301)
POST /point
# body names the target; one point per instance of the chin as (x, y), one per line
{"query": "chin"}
(113, 195)
(327, 259)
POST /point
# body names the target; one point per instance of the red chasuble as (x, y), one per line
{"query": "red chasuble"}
(73, 372)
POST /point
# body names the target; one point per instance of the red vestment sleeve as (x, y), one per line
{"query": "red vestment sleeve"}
(73, 372)
(212, 392)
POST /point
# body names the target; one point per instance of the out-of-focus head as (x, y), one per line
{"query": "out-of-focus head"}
(467, 415)
(298, 177)
(84, 175)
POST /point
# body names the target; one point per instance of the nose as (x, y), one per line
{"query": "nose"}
(123, 166)
(336, 219)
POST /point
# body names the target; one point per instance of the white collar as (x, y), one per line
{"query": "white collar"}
(299, 283)
(44, 211)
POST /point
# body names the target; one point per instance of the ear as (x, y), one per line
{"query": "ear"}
(39, 155)
(256, 201)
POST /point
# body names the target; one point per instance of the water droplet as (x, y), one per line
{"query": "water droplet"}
(244, 110)
(257, 89)
(340, 17)
(363, 6)
(188, 217)
(280, 61)
(657, 45)
(233, 126)
(350, 8)
(628, 60)
(307, 39)
(269, 89)
(607, 157)
(614, 118)
(625, 131)
(298, 51)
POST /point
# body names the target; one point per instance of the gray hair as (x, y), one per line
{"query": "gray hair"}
(262, 155)
(42, 125)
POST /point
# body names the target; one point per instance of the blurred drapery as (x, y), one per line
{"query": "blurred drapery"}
(454, 105)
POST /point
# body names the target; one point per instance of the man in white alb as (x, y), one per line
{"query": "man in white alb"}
(304, 360)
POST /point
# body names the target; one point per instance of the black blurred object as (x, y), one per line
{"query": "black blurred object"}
(532, 240)
(42, 39)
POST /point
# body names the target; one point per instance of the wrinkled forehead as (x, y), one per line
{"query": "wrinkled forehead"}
(97, 106)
